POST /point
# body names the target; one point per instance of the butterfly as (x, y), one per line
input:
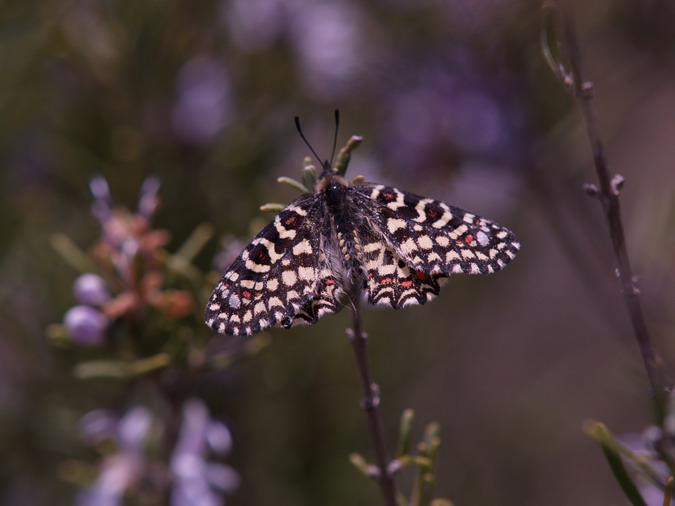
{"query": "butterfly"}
(351, 238)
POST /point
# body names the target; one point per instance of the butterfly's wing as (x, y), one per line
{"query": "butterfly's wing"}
(390, 281)
(279, 279)
(329, 290)
(425, 239)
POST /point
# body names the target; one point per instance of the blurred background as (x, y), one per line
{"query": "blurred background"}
(454, 102)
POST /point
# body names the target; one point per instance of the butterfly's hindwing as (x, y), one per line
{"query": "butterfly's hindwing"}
(432, 237)
(327, 299)
(275, 276)
(390, 281)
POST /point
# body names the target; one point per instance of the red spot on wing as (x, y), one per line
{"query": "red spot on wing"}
(469, 238)
(290, 220)
(388, 196)
(407, 284)
(386, 281)
(432, 212)
(247, 294)
(420, 275)
(330, 281)
(258, 295)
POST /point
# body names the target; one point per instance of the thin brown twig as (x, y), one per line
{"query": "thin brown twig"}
(370, 402)
(608, 194)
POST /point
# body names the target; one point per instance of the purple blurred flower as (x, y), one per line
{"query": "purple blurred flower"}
(448, 108)
(203, 106)
(127, 236)
(194, 476)
(91, 290)
(121, 470)
(642, 446)
(85, 325)
(218, 437)
(133, 429)
(98, 425)
(254, 24)
(102, 206)
(328, 37)
(195, 480)
(149, 201)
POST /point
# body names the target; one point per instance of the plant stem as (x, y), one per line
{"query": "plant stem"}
(608, 194)
(370, 402)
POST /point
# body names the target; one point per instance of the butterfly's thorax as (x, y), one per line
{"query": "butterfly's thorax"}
(345, 241)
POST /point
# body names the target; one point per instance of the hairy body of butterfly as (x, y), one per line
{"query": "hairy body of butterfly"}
(344, 239)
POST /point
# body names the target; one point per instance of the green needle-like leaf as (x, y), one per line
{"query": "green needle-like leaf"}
(612, 453)
(292, 182)
(361, 464)
(669, 492)
(345, 154)
(405, 433)
(272, 207)
(309, 173)
(72, 254)
(119, 369)
(551, 45)
(195, 242)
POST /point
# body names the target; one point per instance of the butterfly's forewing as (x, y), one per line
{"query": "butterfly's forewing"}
(275, 277)
(432, 237)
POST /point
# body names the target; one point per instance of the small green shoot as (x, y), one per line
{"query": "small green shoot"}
(345, 154)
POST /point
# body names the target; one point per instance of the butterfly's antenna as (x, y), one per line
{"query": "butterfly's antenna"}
(337, 127)
(302, 135)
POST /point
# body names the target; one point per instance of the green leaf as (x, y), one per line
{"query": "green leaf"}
(345, 154)
(405, 433)
(600, 433)
(101, 369)
(195, 242)
(552, 47)
(360, 463)
(72, 254)
(58, 336)
(251, 346)
(413, 460)
(669, 492)
(120, 369)
(272, 207)
(292, 182)
(181, 261)
(309, 173)
(423, 487)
